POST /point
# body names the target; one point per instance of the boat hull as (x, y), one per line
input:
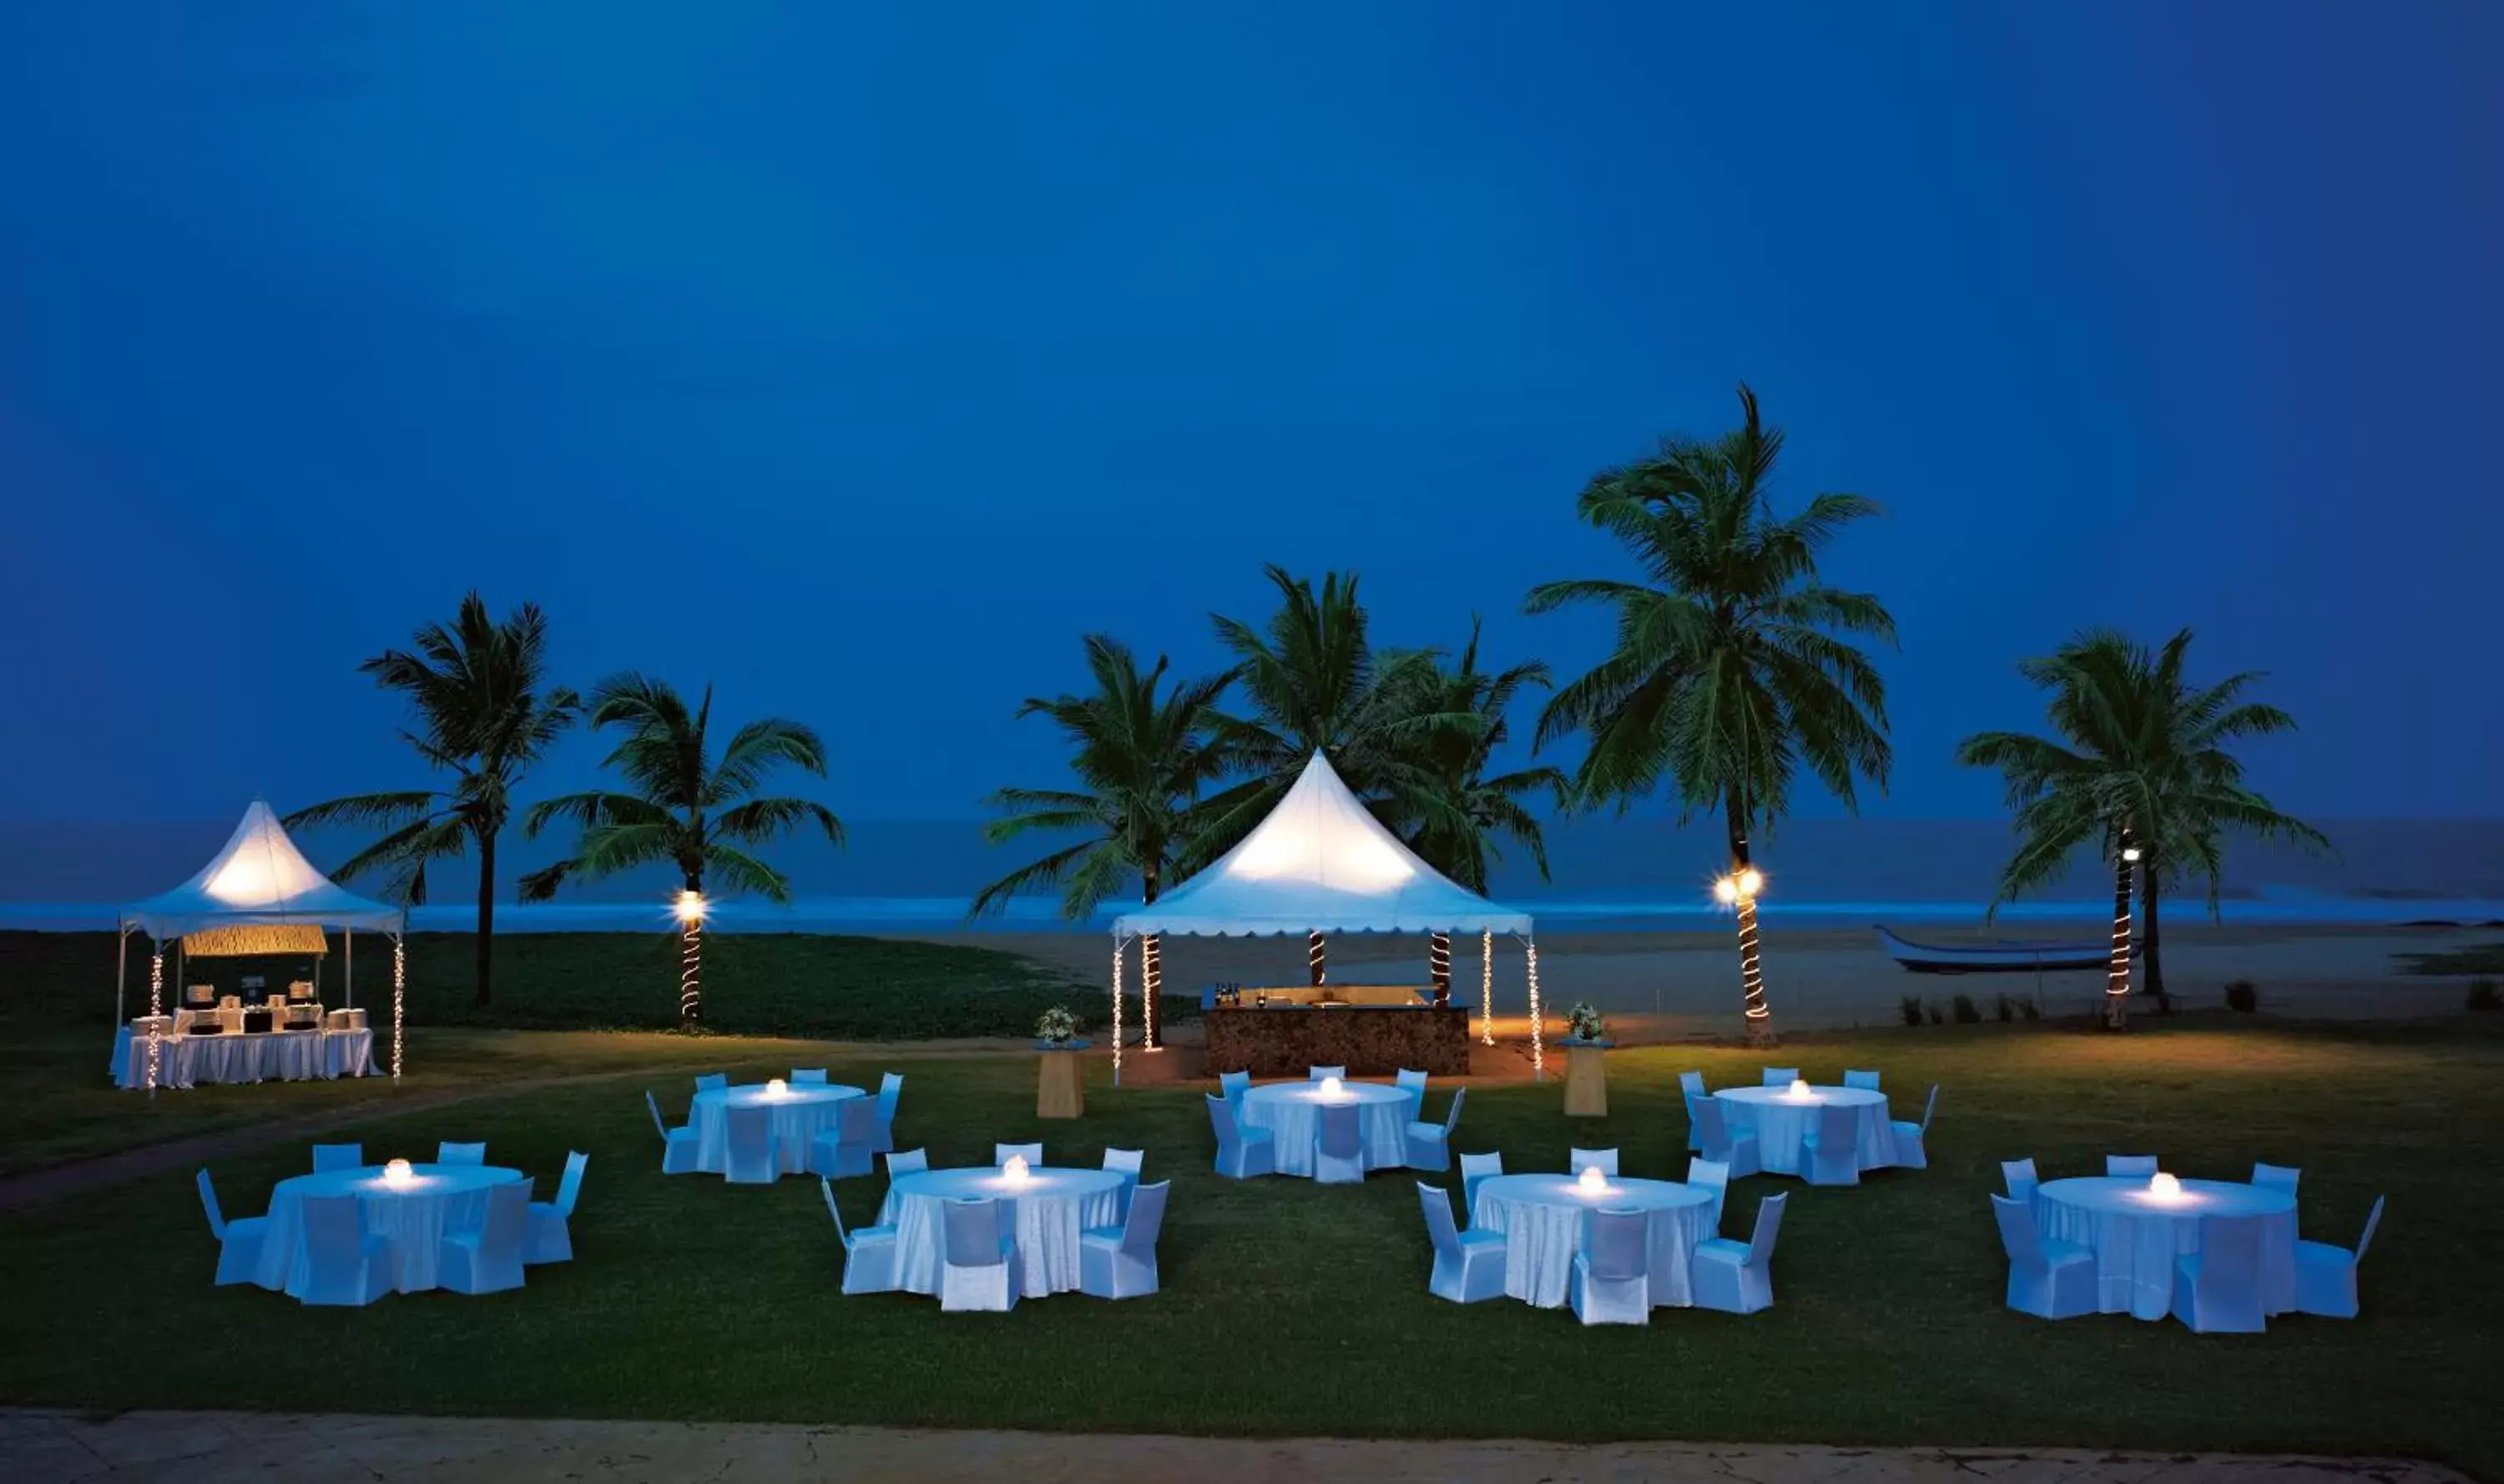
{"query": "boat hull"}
(1994, 958)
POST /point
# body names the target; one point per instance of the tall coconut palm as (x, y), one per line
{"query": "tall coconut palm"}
(1448, 808)
(1733, 667)
(1141, 759)
(2141, 768)
(688, 809)
(482, 712)
(1315, 684)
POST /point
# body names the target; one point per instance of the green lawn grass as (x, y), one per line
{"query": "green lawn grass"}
(1292, 1308)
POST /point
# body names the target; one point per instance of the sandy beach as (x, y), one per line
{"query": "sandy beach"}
(1674, 985)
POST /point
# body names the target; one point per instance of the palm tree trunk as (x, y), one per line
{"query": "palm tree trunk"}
(691, 962)
(1439, 959)
(2117, 963)
(486, 917)
(1314, 958)
(2149, 891)
(1751, 974)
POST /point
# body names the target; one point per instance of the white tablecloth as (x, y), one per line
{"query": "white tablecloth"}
(1292, 1112)
(278, 1055)
(804, 1111)
(1781, 1122)
(2135, 1238)
(440, 1200)
(1047, 1211)
(1541, 1217)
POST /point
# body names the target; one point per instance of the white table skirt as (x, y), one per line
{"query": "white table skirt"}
(1782, 1123)
(2135, 1240)
(1047, 1212)
(1541, 1217)
(442, 1199)
(1292, 1112)
(290, 1056)
(804, 1111)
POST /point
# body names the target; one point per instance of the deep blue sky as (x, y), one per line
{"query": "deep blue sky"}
(860, 358)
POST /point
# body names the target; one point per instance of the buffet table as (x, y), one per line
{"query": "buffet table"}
(1369, 1040)
(277, 1055)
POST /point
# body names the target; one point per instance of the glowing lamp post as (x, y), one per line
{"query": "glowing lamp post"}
(1740, 889)
(690, 909)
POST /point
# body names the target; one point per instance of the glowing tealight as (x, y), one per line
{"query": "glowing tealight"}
(397, 1172)
(1592, 1180)
(1015, 1170)
(2163, 1187)
(775, 1086)
(1800, 1088)
(1333, 1089)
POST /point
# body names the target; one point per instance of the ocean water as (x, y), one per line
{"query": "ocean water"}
(1605, 874)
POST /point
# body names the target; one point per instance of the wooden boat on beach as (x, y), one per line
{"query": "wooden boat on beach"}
(2002, 957)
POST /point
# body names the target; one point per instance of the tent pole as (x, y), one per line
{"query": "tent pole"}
(399, 994)
(1486, 987)
(348, 970)
(156, 1004)
(1119, 945)
(1538, 1035)
(120, 972)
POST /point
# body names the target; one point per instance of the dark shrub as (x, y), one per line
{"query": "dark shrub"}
(2002, 1008)
(2482, 995)
(1965, 1012)
(2242, 996)
(2026, 1007)
(1930, 1008)
(1911, 1007)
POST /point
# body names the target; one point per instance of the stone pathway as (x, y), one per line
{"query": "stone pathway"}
(211, 1447)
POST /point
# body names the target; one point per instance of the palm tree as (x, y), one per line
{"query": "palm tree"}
(688, 809)
(1315, 684)
(2141, 768)
(481, 712)
(1448, 807)
(1732, 668)
(1142, 759)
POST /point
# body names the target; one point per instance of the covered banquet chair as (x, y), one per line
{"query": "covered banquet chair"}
(1233, 1085)
(1832, 1146)
(2325, 1276)
(2130, 1166)
(1121, 1261)
(2218, 1290)
(890, 1094)
(1031, 1153)
(338, 1156)
(460, 1154)
(1690, 1087)
(1780, 1077)
(1469, 1265)
(907, 1161)
(487, 1259)
(1738, 1277)
(2276, 1177)
(1241, 1153)
(678, 1155)
(1414, 1084)
(343, 1263)
(2049, 1280)
(751, 1157)
(978, 1268)
(238, 1241)
(808, 1077)
(1723, 1146)
(712, 1082)
(848, 1148)
(1866, 1081)
(1429, 1146)
(1128, 1163)
(1611, 1278)
(1339, 1145)
(551, 1234)
(1476, 1171)
(869, 1251)
(1324, 1074)
(1711, 1175)
(1605, 1161)
(1911, 1152)
(2020, 1178)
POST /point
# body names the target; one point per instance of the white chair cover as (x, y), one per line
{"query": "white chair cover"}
(1475, 1169)
(1001, 1154)
(2020, 1176)
(489, 1259)
(2276, 1177)
(807, 1075)
(460, 1154)
(709, 1081)
(1128, 1162)
(749, 1153)
(2140, 1165)
(551, 1233)
(1339, 1145)
(1691, 1081)
(1738, 1278)
(1414, 1084)
(1867, 1080)
(847, 1151)
(1834, 1147)
(976, 1259)
(1121, 1261)
(2218, 1290)
(1714, 1176)
(910, 1162)
(1468, 1267)
(239, 1242)
(1612, 1273)
(1577, 1161)
(2047, 1280)
(2325, 1276)
(890, 1093)
(1695, 1097)
(1429, 1146)
(1780, 1077)
(1324, 1074)
(1735, 1151)
(1240, 1154)
(678, 1148)
(338, 1156)
(1233, 1085)
(869, 1254)
(1911, 1152)
(342, 1265)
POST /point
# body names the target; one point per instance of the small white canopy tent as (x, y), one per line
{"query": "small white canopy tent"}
(258, 879)
(1321, 863)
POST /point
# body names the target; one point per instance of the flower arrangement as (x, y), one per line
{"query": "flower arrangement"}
(1056, 1027)
(1585, 1021)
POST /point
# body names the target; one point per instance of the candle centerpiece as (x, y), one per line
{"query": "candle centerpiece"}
(1332, 1089)
(775, 1086)
(2163, 1187)
(1591, 1180)
(1800, 1088)
(1015, 1170)
(397, 1172)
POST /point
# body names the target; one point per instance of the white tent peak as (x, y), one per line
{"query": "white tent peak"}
(260, 877)
(1320, 862)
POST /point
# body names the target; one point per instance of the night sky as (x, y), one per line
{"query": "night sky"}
(861, 357)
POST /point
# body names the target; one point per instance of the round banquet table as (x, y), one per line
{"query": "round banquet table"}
(1541, 1217)
(1292, 1112)
(1782, 1123)
(803, 1111)
(2135, 1237)
(1047, 1211)
(439, 1199)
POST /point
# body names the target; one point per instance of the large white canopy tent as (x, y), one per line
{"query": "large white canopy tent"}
(260, 880)
(1321, 863)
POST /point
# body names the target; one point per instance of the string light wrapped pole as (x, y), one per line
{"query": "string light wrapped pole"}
(1315, 962)
(400, 999)
(690, 909)
(2117, 964)
(1119, 945)
(1152, 983)
(1439, 965)
(1486, 987)
(1537, 1031)
(1740, 889)
(155, 1005)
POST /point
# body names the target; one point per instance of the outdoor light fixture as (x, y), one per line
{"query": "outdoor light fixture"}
(1014, 1171)
(397, 1172)
(1592, 1180)
(690, 907)
(2129, 852)
(1725, 891)
(1750, 881)
(1332, 1089)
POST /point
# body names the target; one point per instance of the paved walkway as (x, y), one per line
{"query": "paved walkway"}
(211, 1447)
